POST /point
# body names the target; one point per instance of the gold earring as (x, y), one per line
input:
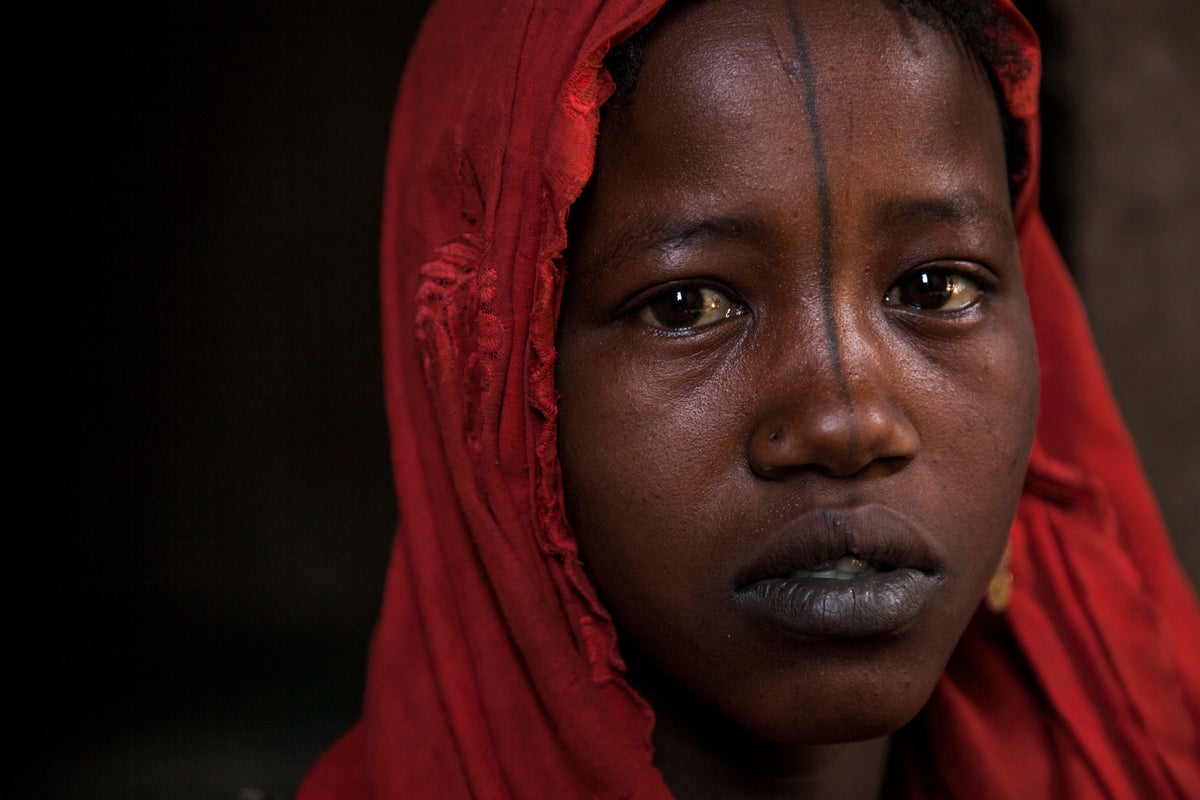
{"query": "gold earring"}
(999, 590)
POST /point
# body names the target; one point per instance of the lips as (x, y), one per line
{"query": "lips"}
(840, 573)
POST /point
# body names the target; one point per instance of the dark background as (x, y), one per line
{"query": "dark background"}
(202, 618)
(235, 495)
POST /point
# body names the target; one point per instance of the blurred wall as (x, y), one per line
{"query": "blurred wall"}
(1135, 194)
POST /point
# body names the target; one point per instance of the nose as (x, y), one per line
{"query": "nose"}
(836, 410)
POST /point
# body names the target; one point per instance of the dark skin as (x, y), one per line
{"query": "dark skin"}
(798, 384)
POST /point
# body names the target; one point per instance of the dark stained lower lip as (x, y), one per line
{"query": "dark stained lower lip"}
(868, 605)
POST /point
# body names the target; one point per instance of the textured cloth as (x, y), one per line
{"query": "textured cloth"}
(494, 669)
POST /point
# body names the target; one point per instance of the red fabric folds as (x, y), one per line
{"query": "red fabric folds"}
(494, 669)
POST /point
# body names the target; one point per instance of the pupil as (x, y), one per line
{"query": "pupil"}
(930, 289)
(683, 306)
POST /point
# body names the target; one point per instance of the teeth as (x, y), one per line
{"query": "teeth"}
(849, 566)
(844, 569)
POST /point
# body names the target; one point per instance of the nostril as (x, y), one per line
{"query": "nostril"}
(832, 439)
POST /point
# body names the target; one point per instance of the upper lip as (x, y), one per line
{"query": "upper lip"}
(874, 533)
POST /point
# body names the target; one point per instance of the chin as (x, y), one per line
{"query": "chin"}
(836, 700)
(841, 726)
(835, 726)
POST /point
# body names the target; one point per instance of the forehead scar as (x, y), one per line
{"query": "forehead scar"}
(802, 74)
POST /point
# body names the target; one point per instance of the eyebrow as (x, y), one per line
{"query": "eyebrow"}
(669, 233)
(963, 207)
(665, 234)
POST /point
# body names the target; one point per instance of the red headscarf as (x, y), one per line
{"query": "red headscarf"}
(494, 669)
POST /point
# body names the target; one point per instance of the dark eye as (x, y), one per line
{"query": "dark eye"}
(687, 308)
(934, 290)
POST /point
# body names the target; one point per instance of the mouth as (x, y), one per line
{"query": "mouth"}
(840, 573)
(846, 568)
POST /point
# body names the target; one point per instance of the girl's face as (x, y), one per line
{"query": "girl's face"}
(797, 371)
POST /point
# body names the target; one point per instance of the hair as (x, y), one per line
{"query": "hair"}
(976, 24)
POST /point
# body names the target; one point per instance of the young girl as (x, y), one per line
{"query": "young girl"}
(715, 496)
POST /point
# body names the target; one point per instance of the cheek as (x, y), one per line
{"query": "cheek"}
(1006, 391)
(977, 429)
(655, 488)
(641, 456)
(642, 427)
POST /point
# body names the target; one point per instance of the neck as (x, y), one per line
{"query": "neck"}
(701, 754)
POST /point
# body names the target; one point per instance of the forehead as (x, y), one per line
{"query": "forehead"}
(731, 92)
